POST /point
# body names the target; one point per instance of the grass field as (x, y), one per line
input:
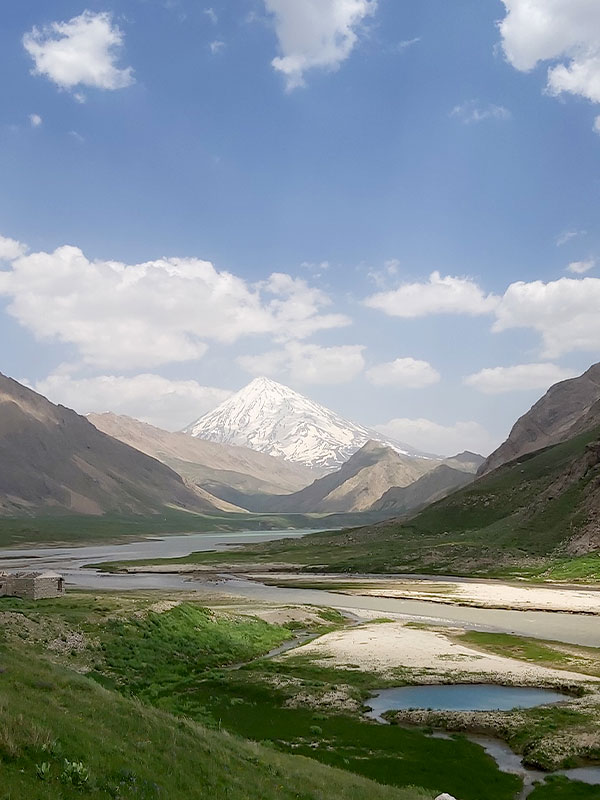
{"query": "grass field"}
(177, 661)
(77, 529)
(559, 788)
(62, 736)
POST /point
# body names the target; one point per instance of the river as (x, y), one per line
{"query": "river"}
(70, 561)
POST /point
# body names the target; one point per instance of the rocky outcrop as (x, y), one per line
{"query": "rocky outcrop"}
(431, 487)
(567, 409)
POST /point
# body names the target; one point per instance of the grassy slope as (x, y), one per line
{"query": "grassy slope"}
(78, 529)
(172, 661)
(496, 526)
(49, 714)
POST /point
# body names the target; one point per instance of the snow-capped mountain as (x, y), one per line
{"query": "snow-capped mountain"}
(274, 419)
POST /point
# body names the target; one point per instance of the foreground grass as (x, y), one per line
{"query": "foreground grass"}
(178, 661)
(559, 788)
(61, 735)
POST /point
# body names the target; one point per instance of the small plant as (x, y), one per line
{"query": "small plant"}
(75, 773)
(316, 730)
(42, 770)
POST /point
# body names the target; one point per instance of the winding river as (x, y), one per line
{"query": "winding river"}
(70, 561)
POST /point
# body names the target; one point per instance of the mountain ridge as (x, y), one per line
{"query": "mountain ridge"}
(272, 418)
(54, 459)
(568, 408)
(205, 463)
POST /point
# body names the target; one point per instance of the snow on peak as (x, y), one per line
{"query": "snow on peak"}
(274, 419)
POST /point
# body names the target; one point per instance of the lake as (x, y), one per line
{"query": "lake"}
(459, 697)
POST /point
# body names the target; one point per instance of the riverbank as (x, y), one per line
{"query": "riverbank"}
(417, 641)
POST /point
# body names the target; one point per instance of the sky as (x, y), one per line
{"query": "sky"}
(389, 205)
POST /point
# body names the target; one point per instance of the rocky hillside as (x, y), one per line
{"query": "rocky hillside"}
(568, 408)
(52, 459)
(354, 487)
(208, 464)
(433, 486)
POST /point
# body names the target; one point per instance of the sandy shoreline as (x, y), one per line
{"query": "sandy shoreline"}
(428, 655)
(498, 595)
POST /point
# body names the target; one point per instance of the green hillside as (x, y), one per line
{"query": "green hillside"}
(535, 516)
(63, 736)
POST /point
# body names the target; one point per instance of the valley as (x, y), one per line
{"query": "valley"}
(270, 609)
(311, 696)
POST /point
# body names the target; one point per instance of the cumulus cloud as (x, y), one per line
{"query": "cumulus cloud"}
(10, 249)
(35, 120)
(439, 295)
(521, 377)
(308, 363)
(472, 111)
(407, 373)
(448, 440)
(216, 46)
(581, 267)
(168, 404)
(563, 33)
(142, 315)
(315, 34)
(564, 312)
(80, 52)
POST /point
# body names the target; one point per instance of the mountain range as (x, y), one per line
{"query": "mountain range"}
(205, 463)
(361, 482)
(271, 418)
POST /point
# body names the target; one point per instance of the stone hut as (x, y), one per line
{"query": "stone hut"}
(31, 585)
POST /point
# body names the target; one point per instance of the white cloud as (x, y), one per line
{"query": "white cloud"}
(408, 373)
(597, 125)
(567, 236)
(80, 52)
(35, 120)
(565, 312)
(522, 377)
(471, 112)
(406, 43)
(315, 34)
(565, 31)
(440, 295)
(139, 316)
(216, 46)
(431, 437)
(581, 267)
(308, 363)
(381, 278)
(212, 15)
(168, 404)
(10, 249)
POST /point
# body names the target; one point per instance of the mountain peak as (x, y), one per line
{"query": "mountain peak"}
(274, 419)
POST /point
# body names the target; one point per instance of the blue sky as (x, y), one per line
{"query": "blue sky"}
(354, 149)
